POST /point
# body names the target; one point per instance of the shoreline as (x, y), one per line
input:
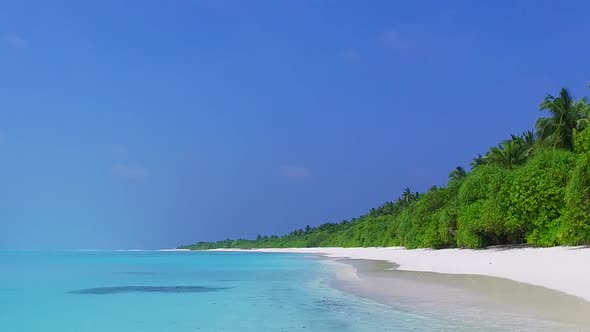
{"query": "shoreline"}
(563, 269)
(474, 300)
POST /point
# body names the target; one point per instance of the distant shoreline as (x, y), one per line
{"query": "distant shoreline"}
(563, 269)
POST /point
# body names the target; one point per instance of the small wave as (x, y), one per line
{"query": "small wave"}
(147, 289)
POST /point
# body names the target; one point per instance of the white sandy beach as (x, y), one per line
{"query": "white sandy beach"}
(565, 269)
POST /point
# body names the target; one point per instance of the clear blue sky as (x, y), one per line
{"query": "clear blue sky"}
(148, 124)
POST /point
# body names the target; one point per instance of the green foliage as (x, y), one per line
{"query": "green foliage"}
(458, 174)
(512, 152)
(482, 183)
(583, 141)
(575, 221)
(442, 214)
(478, 161)
(477, 225)
(481, 212)
(536, 196)
(525, 190)
(567, 116)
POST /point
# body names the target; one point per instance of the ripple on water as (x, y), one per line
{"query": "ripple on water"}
(147, 289)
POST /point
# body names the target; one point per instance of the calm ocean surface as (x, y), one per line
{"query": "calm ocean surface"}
(184, 291)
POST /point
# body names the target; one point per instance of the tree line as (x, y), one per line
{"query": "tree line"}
(533, 188)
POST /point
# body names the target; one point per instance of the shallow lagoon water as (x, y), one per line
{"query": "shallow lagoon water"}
(183, 291)
(186, 291)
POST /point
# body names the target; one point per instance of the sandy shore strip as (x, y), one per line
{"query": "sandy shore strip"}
(565, 269)
(469, 301)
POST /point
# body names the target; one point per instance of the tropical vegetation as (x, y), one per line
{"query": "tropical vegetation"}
(533, 188)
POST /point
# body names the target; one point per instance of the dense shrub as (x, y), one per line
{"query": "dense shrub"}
(481, 216)
(537, 196)
(402, 227)
(575, 221)
(583, 141)
(439, 217)
(447, 227)
(483, 183)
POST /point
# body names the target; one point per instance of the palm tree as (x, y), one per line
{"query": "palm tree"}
(457, 174)
(513, 151)
(567, 117)
(528, 138)
(527, 141)
(584, 119)
(479, 160)
(508, 154)
(408, 197)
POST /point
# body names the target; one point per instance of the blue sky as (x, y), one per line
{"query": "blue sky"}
(149, 124)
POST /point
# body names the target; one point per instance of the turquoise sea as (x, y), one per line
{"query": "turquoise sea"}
(125, 291)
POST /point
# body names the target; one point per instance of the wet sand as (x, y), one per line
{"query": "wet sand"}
(481, 302)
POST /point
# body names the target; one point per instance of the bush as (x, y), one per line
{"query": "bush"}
(483, 183)
(575, 221)
(537, 196)
(402, 228)
(582, 141)
(447, 226)
(436, 217)
(481, 214)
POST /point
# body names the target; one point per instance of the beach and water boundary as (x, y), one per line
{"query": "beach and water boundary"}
(508, 287)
